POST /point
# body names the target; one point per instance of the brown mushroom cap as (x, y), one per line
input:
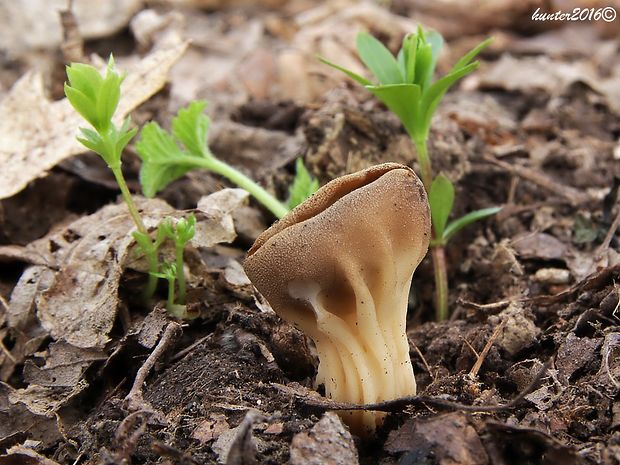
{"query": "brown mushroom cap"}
(375, 222)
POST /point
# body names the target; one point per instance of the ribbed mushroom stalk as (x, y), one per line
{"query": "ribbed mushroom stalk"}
(339, 267)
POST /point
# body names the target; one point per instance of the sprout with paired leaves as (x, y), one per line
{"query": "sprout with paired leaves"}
(95, 98)
(405, 85)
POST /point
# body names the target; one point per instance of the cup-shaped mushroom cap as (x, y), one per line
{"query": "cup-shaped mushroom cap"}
(372, 226)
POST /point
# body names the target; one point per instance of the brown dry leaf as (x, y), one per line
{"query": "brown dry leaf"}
(41, 133)
(448, 439)
(329, 442)
(17, 422)
(20, 455)
(533, 447)
(534, 74)
(210, 429)
(76, 298)
(45, 401)
(218, 225)
(539, 246)
(64, 365)
(41, 20)
(80, 305)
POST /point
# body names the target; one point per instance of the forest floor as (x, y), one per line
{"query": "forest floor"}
(533, 290)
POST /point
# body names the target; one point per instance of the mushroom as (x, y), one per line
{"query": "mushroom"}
(339, 267)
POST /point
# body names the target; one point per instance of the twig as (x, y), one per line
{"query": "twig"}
(134, 400)
(571, 194)
(428, 368)
(397, 405)
(470, 347)
(608, 237)
(502, 304)
(182, 353)
(476, 368)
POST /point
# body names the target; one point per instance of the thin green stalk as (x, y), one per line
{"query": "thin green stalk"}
(425, 162)
(437, 248)
(171, 281)
(441, 282)
(241, 180)
(180, 272)
(151, 255)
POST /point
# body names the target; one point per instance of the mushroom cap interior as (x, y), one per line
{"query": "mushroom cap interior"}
(376, 221)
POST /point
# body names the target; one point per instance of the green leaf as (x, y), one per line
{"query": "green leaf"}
(456, 225)
(465, 59)
(434, 94)
(378, 59)
(107, 100)
(160, 159)
(410, 45)
(435, 40)
(403, 100)
(81, 103)
(423, 66)
(356, 77)
(303, 186)
(84, 78)
(93, 141)
(123, 136)
(185, 230)
(190, 126)
(441, 199)
(94, 96)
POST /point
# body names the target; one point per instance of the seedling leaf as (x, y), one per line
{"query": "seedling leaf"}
(403, 100)
(465, 59)
(456, 225)
(190, 126)
(356, 77)
(303, 186)
(441, 200)
(378, 59)
(160, 159)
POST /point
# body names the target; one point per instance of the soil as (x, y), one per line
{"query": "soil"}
(526, 370)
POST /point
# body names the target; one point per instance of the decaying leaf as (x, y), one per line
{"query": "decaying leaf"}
(24, 456)
(448, 439)
(64, 365)
(45, 401)
(508, 445)
(41, 133)
(218, 225)
(329, 442)
(80, 305)
(42, 21)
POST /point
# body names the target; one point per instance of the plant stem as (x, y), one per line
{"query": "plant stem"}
(171, 293)
(425, 163)
(441, 282)
(241, 180)
(179, 248)
(151, 256)
(133, 211)
(438, 251)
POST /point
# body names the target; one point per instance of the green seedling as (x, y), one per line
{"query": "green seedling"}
(304, 185)
(405, 85)
(95, 98)
(169, 272)
(168, 156)
(180, 234)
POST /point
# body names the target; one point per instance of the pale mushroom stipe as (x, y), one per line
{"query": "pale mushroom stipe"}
(339, 267)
